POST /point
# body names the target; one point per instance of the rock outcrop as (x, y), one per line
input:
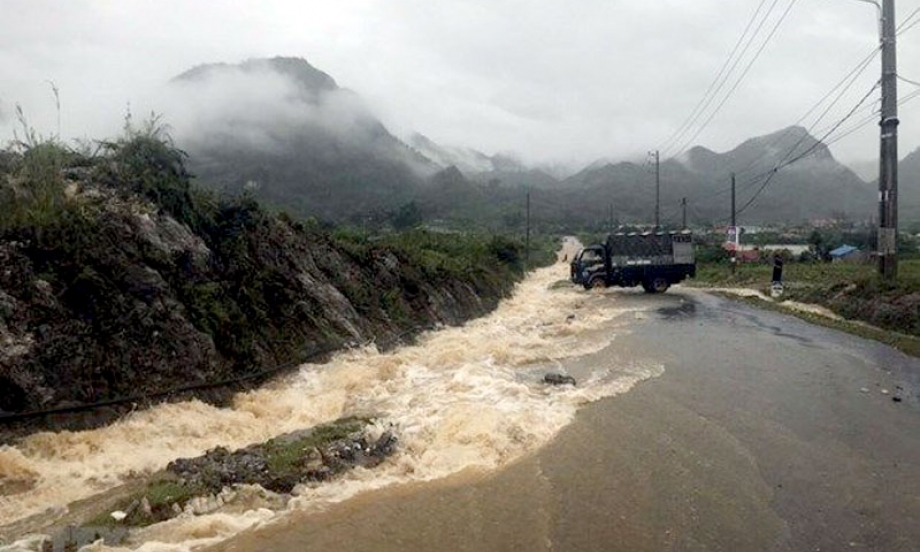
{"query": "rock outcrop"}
(131, 289)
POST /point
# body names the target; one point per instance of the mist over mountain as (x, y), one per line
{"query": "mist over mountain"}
(285, 131)
(816, 186)
(909, 190)
(867, 170)
(467, 160)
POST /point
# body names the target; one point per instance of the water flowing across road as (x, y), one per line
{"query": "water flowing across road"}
(460, 398)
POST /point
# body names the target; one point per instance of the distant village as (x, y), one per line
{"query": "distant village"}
(830, 240)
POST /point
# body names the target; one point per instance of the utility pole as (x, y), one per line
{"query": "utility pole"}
(888, 159)
(527, 238)
(611, 219)
(657, 189)
(683, 205)
(735, 229)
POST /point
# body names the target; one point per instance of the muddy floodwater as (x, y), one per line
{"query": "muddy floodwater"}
(762, 434)
(461, 400)
(698, 423)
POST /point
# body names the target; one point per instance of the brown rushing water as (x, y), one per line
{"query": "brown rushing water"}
(764, 434)
(461, 399)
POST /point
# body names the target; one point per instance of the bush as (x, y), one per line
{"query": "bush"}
(146, 162)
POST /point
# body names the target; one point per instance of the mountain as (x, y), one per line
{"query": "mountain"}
(816, 186)
(468, 161)
(286, 131)
(909, 189)
(867, 170)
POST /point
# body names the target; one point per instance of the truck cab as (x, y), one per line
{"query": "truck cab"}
(653, 260)
(586, 262)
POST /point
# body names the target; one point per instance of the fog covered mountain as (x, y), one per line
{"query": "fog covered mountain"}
(287, 132)
(816, 186)
(909, 190)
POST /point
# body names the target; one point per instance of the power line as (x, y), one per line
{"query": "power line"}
(872, 118)
(804, 154)
(849, 80)
(744, 73)
(826, 111)
(688, 122)
(907, 20)
(908, 81)
(909, 27)
(852, 76)
(727, 75)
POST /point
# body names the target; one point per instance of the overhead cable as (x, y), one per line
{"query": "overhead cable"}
(740, 79)
(694, 113)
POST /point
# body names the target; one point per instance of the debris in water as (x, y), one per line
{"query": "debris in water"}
(896, 399)
(884, 391)
(118, 515)
(863, 389)
(558, 379)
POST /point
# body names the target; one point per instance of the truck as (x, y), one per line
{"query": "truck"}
(654, 260)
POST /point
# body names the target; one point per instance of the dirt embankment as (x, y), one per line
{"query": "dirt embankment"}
(118, 296)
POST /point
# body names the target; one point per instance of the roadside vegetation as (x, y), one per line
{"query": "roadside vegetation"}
(116, 264)
(851, 290)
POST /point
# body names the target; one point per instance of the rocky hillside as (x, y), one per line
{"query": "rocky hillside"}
(120, 279)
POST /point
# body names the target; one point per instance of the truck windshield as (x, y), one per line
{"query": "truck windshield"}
(589, 255)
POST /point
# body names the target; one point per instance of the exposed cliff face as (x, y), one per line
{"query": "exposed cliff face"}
(114, 297)
(146, 305)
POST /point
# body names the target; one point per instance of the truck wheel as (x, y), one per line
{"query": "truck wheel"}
(597, 283)
(656, 285)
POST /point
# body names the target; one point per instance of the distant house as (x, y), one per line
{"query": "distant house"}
(793, 249)
(849, 254)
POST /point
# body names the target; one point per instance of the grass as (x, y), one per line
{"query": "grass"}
(886, 312)
(284, 455)
(907, 344)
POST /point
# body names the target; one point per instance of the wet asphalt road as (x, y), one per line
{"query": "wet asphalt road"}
(765, 433)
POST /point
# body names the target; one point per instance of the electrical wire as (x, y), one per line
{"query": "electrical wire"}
(909, 27)
(744, 73)
(727, 76)
(808, 151)
(907, 19)
(849, 80)
(871, 119)
(852, 76)
(678, 134)
(908, 81)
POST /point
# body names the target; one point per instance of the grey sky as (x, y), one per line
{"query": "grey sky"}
(555, 81)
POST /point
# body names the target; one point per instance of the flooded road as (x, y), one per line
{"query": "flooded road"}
(763, 433)
(465, 399)
(698, 424)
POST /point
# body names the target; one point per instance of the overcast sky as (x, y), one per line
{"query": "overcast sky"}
(555, 81)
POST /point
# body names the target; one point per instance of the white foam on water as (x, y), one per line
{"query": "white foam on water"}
(461, 398)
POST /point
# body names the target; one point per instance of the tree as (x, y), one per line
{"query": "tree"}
(408, 216)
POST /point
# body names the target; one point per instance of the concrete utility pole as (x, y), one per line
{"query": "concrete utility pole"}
(735, 227)
(657, 189)
(527, 238)
(888, 162)
(683, 204)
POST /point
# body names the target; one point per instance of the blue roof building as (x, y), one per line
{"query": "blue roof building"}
(843, 251)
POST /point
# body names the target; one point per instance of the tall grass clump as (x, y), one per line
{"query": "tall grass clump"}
(32, 186)
(146, 161)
